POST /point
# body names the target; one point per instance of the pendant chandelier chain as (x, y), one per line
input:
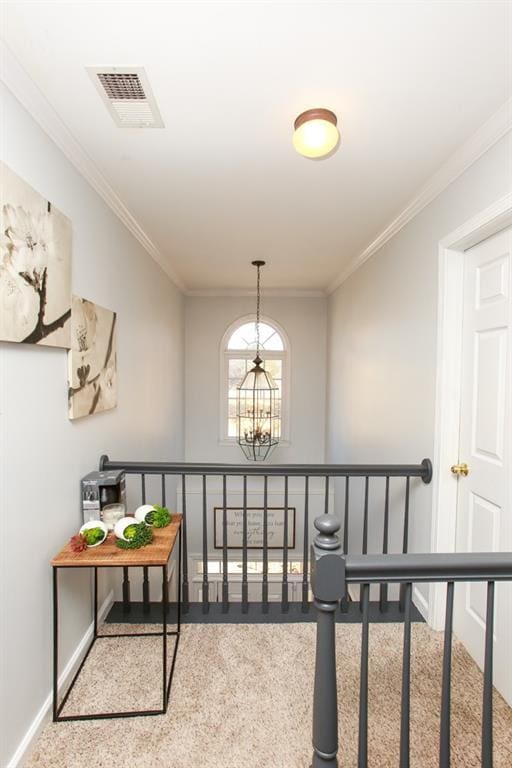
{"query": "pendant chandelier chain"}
(258, 302)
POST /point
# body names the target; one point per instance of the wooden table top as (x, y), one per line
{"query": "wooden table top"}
(109, 555)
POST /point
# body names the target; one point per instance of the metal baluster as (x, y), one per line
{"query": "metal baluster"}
(305, 554)
(264, 587)
(284, 598)
(163, 490)
(383, 602)
(487, 740)
(225, 589)
(185, 604)
(146, 607)
(405, 543)
(206, 600)
(406, 682)
(365, 533)
(126, 591)
(245, 587)
(345, 600)
(326, 501)
(362, 760)
(345, 522)
(444, 745)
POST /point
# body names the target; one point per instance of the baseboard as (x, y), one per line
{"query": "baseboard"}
(420, 603)
(44, 714)
(255, 614)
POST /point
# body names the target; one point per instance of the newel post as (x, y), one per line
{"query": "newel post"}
(328, 585)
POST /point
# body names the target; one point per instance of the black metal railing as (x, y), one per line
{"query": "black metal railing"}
(332, 572)
(185, 472)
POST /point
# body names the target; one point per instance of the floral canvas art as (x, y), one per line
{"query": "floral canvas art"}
(92, 362)
(35, 266)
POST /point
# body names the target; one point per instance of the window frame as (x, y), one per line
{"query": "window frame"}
(232, 354)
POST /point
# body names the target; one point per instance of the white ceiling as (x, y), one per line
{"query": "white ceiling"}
(221, 184)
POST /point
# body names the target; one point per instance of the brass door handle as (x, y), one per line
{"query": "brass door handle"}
(460, 469)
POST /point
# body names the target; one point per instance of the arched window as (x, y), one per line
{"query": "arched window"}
(238, 352)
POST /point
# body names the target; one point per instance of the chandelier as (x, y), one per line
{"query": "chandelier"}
(258, 419)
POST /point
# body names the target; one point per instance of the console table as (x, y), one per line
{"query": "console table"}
(108, 555)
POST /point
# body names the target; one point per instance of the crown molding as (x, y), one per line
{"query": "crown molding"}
(269, 293)
(19, 82)
(468, 153)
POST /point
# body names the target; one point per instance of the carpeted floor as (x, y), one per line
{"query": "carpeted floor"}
(242, 697)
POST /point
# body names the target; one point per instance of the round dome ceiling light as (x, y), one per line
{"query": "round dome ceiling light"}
(316, 134)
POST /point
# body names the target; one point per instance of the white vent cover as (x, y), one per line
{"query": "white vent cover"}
(127, 95)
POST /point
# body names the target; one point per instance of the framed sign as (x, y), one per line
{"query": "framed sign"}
(234, 524)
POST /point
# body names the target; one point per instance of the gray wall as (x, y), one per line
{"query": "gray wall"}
(43, 454)
(382, 326)
(304, 321)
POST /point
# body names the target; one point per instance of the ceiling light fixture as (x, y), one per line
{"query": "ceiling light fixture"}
(316, 134)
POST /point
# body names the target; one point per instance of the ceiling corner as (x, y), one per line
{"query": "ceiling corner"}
(499, 124)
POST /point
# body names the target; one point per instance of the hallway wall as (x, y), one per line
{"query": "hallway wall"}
(43, 454)
(304, 321)
(382, 325)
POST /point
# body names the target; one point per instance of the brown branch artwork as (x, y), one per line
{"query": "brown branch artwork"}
(84, 371)
(82, 377)
(42, 329)
(107, 358)
(110, 345)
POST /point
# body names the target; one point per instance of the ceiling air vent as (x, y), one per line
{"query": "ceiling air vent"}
(127, 95)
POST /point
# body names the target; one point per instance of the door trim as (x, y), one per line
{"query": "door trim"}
(448, 380)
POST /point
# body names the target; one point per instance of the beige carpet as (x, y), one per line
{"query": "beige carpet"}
(242, 698)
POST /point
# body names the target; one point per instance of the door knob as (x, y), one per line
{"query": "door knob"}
(460, 469)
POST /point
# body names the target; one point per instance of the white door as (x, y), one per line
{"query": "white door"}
(484, 505)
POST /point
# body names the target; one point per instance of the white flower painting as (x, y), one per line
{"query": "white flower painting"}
(35, 266)
(92, 364)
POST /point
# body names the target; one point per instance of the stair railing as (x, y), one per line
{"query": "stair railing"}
(332, 572)
(390, 511)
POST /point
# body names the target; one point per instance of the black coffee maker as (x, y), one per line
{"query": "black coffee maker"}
(99, 490)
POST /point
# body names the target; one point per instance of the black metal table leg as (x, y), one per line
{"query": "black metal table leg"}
(176, 634)
(95, 602)
(165, 606)
(55, 640)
